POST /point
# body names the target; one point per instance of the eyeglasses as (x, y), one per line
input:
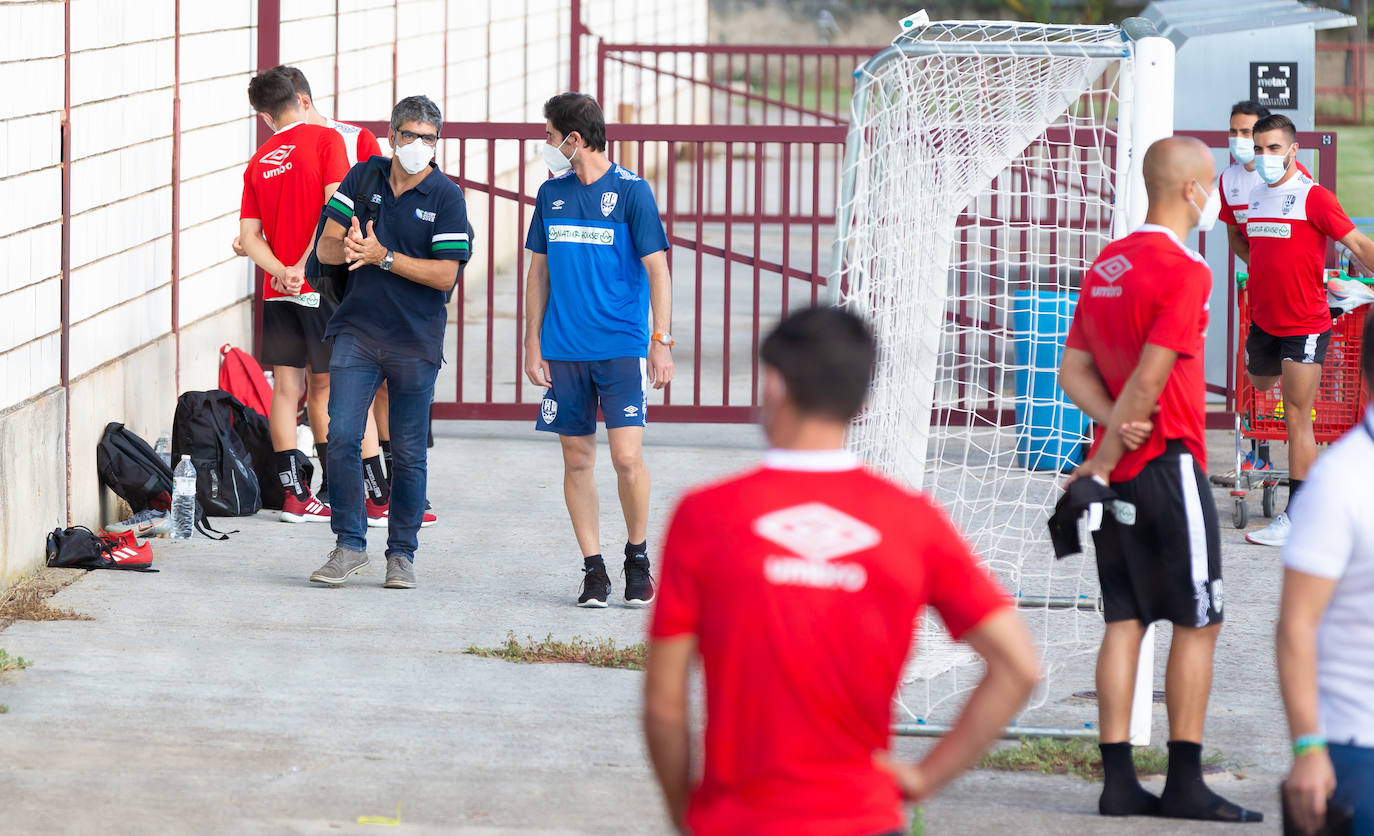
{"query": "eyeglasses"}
(408, 137)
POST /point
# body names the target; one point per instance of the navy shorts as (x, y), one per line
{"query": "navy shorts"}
(618, 386)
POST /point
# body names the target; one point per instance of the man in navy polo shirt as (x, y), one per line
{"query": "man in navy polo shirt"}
(598, 267)
(389, 327)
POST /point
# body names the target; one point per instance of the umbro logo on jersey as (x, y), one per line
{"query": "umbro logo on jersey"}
(608, 200)
(631, 411)
(819, 534)
(557, 204)
(1113, 268)
(277, 155)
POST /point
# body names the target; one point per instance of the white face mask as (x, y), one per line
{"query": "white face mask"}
(1208, 211)
(1271, 168)
(554, 159)
(1242, 149)
(415, 156)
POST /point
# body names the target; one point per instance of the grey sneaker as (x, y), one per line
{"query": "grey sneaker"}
(144, 524)
(341, 563)
(400, 572)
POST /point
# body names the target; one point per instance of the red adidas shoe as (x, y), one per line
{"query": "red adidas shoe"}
(310, 509)
(379, 516)
(127, 551)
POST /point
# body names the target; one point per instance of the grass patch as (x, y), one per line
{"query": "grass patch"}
(27, 600)
(12, 663)
(1355, 169)
(599, 653)
(1081, 757)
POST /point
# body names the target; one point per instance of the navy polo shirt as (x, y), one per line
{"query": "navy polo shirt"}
(429, 220)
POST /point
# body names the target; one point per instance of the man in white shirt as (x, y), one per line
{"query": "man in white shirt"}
(1325, 636)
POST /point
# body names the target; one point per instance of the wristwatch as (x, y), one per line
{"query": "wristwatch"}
(387, 260)
(663, 339)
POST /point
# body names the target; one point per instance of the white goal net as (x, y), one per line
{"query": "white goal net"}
(986, 167)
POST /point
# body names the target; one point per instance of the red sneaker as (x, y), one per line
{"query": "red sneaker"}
(376, 514)
(127, 551)
(379, 516)
(310, 509)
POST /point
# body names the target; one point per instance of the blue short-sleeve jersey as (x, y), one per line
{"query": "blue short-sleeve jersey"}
(430, 221)
(594, 237)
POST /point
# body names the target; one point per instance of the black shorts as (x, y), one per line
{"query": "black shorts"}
(293, 335)
(1165, 564)
(1265, 353)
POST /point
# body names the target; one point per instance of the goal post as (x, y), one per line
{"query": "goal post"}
(987, 164)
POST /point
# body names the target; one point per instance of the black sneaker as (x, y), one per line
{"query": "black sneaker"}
(639, 583)
(596, 587)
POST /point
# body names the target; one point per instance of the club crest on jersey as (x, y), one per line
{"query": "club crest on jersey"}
(1288, 201)
(608, 200)
(548, 410)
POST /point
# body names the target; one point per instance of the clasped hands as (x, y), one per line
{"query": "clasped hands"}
(360, 249)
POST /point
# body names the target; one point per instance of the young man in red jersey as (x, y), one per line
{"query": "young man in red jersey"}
(803, 623)
(1287, 225)
(1136, 342)
(284, 187)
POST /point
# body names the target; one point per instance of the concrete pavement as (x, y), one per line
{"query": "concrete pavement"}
(226, 694)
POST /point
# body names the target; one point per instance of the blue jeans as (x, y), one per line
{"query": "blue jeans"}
(356, 371)
(1354, 782)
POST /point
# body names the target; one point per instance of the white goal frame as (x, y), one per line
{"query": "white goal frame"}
(1145, 114)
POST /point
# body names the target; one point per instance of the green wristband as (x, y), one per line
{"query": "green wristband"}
(1308, 743)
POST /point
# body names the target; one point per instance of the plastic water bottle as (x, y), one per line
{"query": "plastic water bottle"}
(183, 499)
(164, 447)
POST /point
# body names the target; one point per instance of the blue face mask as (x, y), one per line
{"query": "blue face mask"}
(1271, 168)
(1242, 149)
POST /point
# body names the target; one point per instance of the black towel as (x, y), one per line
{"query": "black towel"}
(1080, 495)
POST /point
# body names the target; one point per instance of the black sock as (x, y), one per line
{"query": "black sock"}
(284, 463)
(322, 453)
(386, 456)
(641, 550)
(1122, 794)
(1262, 451)
(593, 562)
(375, 482)
(1185, 796)
(1294, 485)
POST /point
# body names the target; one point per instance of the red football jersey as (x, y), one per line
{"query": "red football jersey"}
(1149, 288)
(284, 184)
(1288, 226)
(802, 581)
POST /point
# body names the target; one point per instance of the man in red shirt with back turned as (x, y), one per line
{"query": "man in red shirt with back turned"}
(1136, 342)
(1288, 223)
(285, 185)
(805, 620)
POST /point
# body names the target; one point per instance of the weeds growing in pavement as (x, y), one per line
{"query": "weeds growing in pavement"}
(1081, 757)
(600, 653)
(28, 599)
(12, 663)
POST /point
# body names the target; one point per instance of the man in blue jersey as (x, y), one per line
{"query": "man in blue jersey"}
(598, 268)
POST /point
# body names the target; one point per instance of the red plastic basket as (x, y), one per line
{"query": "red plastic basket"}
(1341, 395)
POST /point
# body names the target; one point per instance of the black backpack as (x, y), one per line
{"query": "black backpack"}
(226, 484)
(130, 468)
(256, 435)
(331, 280)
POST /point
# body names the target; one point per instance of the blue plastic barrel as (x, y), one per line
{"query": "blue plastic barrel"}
(1050, 428)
